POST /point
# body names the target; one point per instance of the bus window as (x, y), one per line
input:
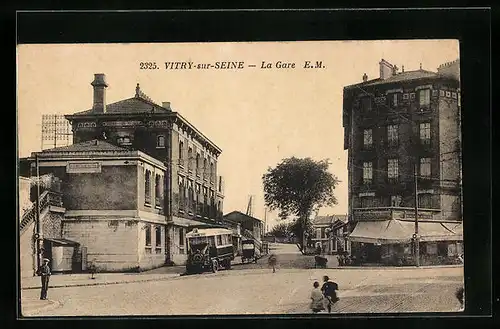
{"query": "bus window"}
(211, 241)
(219, 240)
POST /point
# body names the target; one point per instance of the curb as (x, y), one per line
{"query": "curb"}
(53, 305)
(101, 283)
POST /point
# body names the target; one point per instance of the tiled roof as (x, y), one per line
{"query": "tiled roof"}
(92, 145)
(403, 76)
(129, 106)
(324, 220)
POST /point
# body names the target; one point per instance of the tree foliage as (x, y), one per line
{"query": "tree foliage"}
(282, 230)
(297, 187)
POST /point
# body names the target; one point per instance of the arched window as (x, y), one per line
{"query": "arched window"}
(158, 191)
(160, 141)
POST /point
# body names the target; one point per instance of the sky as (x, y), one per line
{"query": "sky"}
(256, 116)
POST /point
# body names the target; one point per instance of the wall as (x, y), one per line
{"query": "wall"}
(52, 224)
(113, 188)
(150, 257)
(24, 195)
(26, 251)
(111, 243)
(177, 255)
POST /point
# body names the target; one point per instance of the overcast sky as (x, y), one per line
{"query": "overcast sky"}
(256, 116)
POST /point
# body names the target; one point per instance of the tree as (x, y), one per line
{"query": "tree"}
(298, 187)
(282, 230)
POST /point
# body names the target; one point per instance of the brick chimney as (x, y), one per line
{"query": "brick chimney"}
(386, 69)
(166, 105)
(100, 85)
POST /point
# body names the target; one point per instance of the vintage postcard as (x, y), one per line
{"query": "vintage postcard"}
(247, 178)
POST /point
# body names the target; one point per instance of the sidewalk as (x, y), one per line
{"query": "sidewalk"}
(32, 307)
(79, 280)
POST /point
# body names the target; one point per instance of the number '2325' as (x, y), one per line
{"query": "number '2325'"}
(148, 66)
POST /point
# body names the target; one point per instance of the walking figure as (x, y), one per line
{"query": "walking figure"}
(317, 298)
(44, 272)
(272, 260)
(329, 290)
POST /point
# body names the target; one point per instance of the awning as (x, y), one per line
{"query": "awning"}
(397, 231)
(62, 242)
(381, 232)
(439, 232)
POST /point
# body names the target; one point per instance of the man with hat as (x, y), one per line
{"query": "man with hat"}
(44, 272)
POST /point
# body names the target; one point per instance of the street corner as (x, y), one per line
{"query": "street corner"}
(32, 307)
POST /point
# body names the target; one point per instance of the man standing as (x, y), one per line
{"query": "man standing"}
(44, 272)
(329, 290)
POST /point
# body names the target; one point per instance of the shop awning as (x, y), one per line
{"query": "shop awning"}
(439, 232)
(381, 232)
(396, 231)
(62, 242)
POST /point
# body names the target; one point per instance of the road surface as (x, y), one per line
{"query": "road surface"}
(259, 291)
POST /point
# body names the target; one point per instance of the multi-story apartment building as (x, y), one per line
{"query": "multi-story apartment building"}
(137, 163)
(402, 132)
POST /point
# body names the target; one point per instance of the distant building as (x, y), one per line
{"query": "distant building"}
(393, 124)
(138, 177)
(250, 225)
(330, 232)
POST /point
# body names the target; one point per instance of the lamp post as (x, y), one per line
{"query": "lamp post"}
(416, 238)
(37, 214)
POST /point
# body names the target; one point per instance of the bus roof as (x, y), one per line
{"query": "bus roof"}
(208, 232)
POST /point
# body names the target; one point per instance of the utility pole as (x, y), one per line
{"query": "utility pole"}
(416, 238)
(37, 213)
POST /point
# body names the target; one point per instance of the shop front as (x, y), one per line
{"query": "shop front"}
(390, 242)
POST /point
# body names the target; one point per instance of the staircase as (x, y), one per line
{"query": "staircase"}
(47, 198)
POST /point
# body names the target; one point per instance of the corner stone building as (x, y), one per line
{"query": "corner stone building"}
(135, 181)
(395, 125)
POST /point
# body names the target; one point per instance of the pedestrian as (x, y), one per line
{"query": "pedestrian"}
(272, 260)
(329, 290)
(317, 303)
(44, 272)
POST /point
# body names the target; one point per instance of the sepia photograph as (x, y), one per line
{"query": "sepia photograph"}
(240, 178)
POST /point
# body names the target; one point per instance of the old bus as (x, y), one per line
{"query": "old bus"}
(209, 249)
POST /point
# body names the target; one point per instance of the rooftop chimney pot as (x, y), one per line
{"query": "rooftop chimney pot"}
(100, 85)
(166, 105)
(386, 69)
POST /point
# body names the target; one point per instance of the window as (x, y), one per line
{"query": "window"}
(198, 164)
(393, 170)
(366, 103)
(147, 232)
(425, 167)
(220, 184)
(158, 239)
(318, 233)
(393, 135)
(424, 97)
(367, 138)
(367, 202)
(160, 141)
(367, 172)
(190, 158)
(219, 240)
(211, 172)
(425, 201)
(205, 168)
(395, 201)
(190, 194)
(394, 99)
(182, 192)
(181, 152)
(425, 133)
(147, 187)
(123, 140)
(158, 191)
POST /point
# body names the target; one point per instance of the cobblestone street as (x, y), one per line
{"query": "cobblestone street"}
(259, 291)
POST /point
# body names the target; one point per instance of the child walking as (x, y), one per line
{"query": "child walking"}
(316, 298)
